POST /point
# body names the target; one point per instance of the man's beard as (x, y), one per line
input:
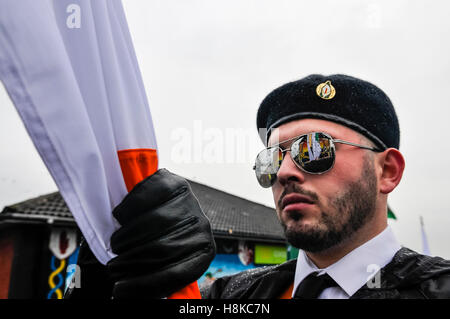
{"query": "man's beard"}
(351, 210)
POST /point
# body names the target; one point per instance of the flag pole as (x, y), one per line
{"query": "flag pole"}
(425, 246)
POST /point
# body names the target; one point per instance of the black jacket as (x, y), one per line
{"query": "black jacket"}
(408, 275)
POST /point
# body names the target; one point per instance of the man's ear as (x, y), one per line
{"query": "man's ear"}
(392, 165)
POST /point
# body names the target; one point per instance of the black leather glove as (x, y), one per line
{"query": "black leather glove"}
(165, 242)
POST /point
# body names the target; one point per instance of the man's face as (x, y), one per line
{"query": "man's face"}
(318, 212)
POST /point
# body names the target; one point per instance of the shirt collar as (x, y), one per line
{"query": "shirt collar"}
(356, 268)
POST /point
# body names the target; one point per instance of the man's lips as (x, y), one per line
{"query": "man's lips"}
(295, 201)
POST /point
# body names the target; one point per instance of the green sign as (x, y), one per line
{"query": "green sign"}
(270, 254)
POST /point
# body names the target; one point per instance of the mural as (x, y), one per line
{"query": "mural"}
(224, 265)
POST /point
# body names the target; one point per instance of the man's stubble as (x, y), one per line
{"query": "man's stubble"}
(348, 212)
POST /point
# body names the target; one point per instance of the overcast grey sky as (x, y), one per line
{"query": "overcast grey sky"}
(208, 64)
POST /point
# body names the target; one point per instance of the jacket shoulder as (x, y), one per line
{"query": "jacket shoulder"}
(437, 287)
(234, 286)
(412, 267)
(412, 275)
(436, 279)
(240, 285)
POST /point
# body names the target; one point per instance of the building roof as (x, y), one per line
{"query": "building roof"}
(237, 217)
(231, 216)
(50, 208)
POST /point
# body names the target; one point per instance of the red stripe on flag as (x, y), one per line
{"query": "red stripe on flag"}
(137, 164)
(287, 294)
(191, 291)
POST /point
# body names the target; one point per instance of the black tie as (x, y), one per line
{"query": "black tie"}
(313, 285)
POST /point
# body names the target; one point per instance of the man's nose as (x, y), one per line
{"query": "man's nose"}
(289, 171)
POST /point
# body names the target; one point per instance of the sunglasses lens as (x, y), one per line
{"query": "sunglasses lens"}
(266, 166)
(314, 153)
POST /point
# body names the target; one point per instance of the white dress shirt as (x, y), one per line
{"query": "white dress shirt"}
(353, 270)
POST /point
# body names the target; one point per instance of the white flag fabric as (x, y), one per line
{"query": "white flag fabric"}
(72, 74)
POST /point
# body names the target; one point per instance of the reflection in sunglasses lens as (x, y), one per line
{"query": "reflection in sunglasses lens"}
(313, 153)
(267, 165)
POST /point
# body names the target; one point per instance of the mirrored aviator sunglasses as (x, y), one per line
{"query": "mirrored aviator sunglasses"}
(313, 153)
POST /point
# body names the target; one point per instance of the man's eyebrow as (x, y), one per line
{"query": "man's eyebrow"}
(295, 137)
(285, 141)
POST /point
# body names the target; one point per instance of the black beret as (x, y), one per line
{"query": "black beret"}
(339, 98)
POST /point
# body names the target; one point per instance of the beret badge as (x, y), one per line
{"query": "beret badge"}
(325, 90)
